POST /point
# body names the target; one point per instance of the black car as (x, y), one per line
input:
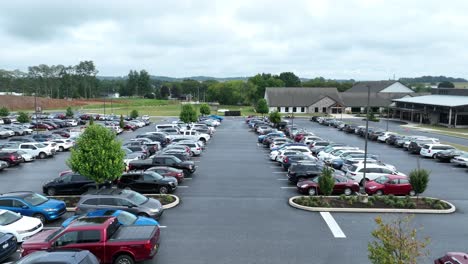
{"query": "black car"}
(301, 171)
(8, 246)
(71, 183)
(375, 134)
(22, 139)
(391, 140)
(147, 182)
(447, 155)
(179, 153)
(163, 160)
(63, 256)
(414, 147)
(349, 129)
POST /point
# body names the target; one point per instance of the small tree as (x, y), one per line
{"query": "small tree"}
(396, 242)
(188, 114)
(326, 181)
(275, 117)
(69, 113)
(4, 111)
(262, 107)
(134, 114)
(97, 155)
(91, 120)
(205, 109)
(121, 122)
(23, 117)
(419, 178)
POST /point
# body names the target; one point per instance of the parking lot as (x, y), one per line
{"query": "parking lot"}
(234, 208)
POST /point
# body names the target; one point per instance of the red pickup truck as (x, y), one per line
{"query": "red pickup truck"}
(105, 237)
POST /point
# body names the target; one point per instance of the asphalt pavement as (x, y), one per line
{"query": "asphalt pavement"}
(234, 208)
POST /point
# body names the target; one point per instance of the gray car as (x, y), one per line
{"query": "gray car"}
(118, 199)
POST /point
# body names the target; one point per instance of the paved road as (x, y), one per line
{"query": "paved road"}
(235, 210)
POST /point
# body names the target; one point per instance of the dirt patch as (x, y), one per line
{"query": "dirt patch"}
(26, 103)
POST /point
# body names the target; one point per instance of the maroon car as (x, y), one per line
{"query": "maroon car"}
(11, 157)
(453, 258)
(168, 171)
(62, 133)
(390, 184)
(342, 185)
(41, 126)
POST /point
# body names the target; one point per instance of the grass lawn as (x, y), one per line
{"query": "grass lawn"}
(459, 132)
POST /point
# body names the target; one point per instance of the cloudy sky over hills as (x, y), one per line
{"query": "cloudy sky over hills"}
(360, 39)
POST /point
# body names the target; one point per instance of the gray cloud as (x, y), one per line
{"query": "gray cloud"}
(360, 39)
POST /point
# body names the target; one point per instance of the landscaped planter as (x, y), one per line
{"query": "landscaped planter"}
(376, 204)
(167, 200)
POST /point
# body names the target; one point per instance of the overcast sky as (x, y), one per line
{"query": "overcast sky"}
(341, 39)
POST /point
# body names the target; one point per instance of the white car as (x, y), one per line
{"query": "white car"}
(195, 147)
(63, 144)
(26, 156)
(324, 154)
(341, 153)
(35, 149)
(408, 141)
(385, 136)
(368, 161)
(309, 139)
(429, 150)
(71, 122)
(461, 160)
(22, 227)
(5, 133)
(52, 145)
(373, 171)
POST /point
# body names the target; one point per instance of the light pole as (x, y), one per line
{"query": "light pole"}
(388, 115)
(35, 108)
(365, 140)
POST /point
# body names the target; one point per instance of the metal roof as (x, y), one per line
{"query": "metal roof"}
(436, 99)
(300, 96)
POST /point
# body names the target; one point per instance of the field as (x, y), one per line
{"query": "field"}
(461, 84)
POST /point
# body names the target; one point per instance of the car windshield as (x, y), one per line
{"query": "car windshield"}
(126, 218)
(35, 199)
(127, 150)
(177, 160)
(8, 218)
(135, 197)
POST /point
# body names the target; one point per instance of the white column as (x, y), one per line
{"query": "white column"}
(455, 123)
(450, 117)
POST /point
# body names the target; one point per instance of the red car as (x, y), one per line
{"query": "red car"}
(342, 185)
(390, 184)
(62, 133)
(168, 171)
(105, 237)
(453, 257)
(41, 126)
(300, 136)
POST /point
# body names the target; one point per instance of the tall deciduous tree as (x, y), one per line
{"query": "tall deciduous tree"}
(419, 179)
(144, 84)
(97, 155)
(188, 114)
(275, 117)
(446, 85)
(290, 79)
(134, 114)
(165, 92)
(205, 109)
(396, 242)
(262, 107)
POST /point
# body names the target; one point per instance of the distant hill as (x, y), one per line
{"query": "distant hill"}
(431, 79)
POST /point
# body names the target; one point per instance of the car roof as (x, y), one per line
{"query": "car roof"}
(56, 256)
(92, 221)
(20, 194)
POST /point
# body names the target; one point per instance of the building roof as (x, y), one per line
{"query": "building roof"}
(436, 99)
(376, 99)
(300, 96)
(375, 86)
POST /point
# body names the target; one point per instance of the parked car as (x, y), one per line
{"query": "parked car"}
(11, 157)
(147, 182)
(124, 218)
(9, 245)
(118, 199)
(415, 146)
(163, 160)
(453, 258)
(105, 237)
(69, 183)
(22, 227)
(168, 171)
(390, 184)
(448, 155)
(63, 144)
(35, 149)
(3, 165)
(316, 146)
(62, 256)
(32, 204)
(301, 171)
(195, 148)
(375, 134)
(343, 185)
(384, 136)
(288, 160)
(373, 171)
(430, 150)
(461, 160)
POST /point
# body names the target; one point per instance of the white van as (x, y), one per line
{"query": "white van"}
(164, 126)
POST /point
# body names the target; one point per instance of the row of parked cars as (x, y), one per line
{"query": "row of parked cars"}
(113, 214)
(304, 156)
(427, 147)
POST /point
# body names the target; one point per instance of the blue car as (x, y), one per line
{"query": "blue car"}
(8, 246)
(32, 204)
(275, 134)
(217, 117)
(125, 218)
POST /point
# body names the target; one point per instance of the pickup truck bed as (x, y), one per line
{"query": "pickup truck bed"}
(129, 233)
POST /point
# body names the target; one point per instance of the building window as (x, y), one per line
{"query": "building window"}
(278, 109)
(316, 110)
(324, 109)
(302, 109)
(294, 110)
(286, 109)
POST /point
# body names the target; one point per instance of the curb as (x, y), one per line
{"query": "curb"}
(371, 210)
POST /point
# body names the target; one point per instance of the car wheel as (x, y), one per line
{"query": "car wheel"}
(163, 190)
(61, 149)
(143, 214)
(348, 191)
(434, 156)
(312, 191)
(51, 191)
(379, 192)
(124, 259)
(40, 217)
(412, 193)
(42, 155)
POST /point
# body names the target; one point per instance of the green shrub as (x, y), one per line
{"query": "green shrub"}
(411, 205)
(419, 180)
(342, 197)
(400, 204)
(438, 206)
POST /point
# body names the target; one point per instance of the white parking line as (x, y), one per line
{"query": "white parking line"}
(289, 187)
(276, 167)
(281, 179)
(182, 186)
(333, 225)
(162, 226)
(188, 178)
(279, 172)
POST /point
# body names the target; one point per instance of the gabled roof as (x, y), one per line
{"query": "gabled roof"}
(375, 86)
(300, 96)
(375, 99)
(436, 99)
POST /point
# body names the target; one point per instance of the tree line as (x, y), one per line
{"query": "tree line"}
(81, 81)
